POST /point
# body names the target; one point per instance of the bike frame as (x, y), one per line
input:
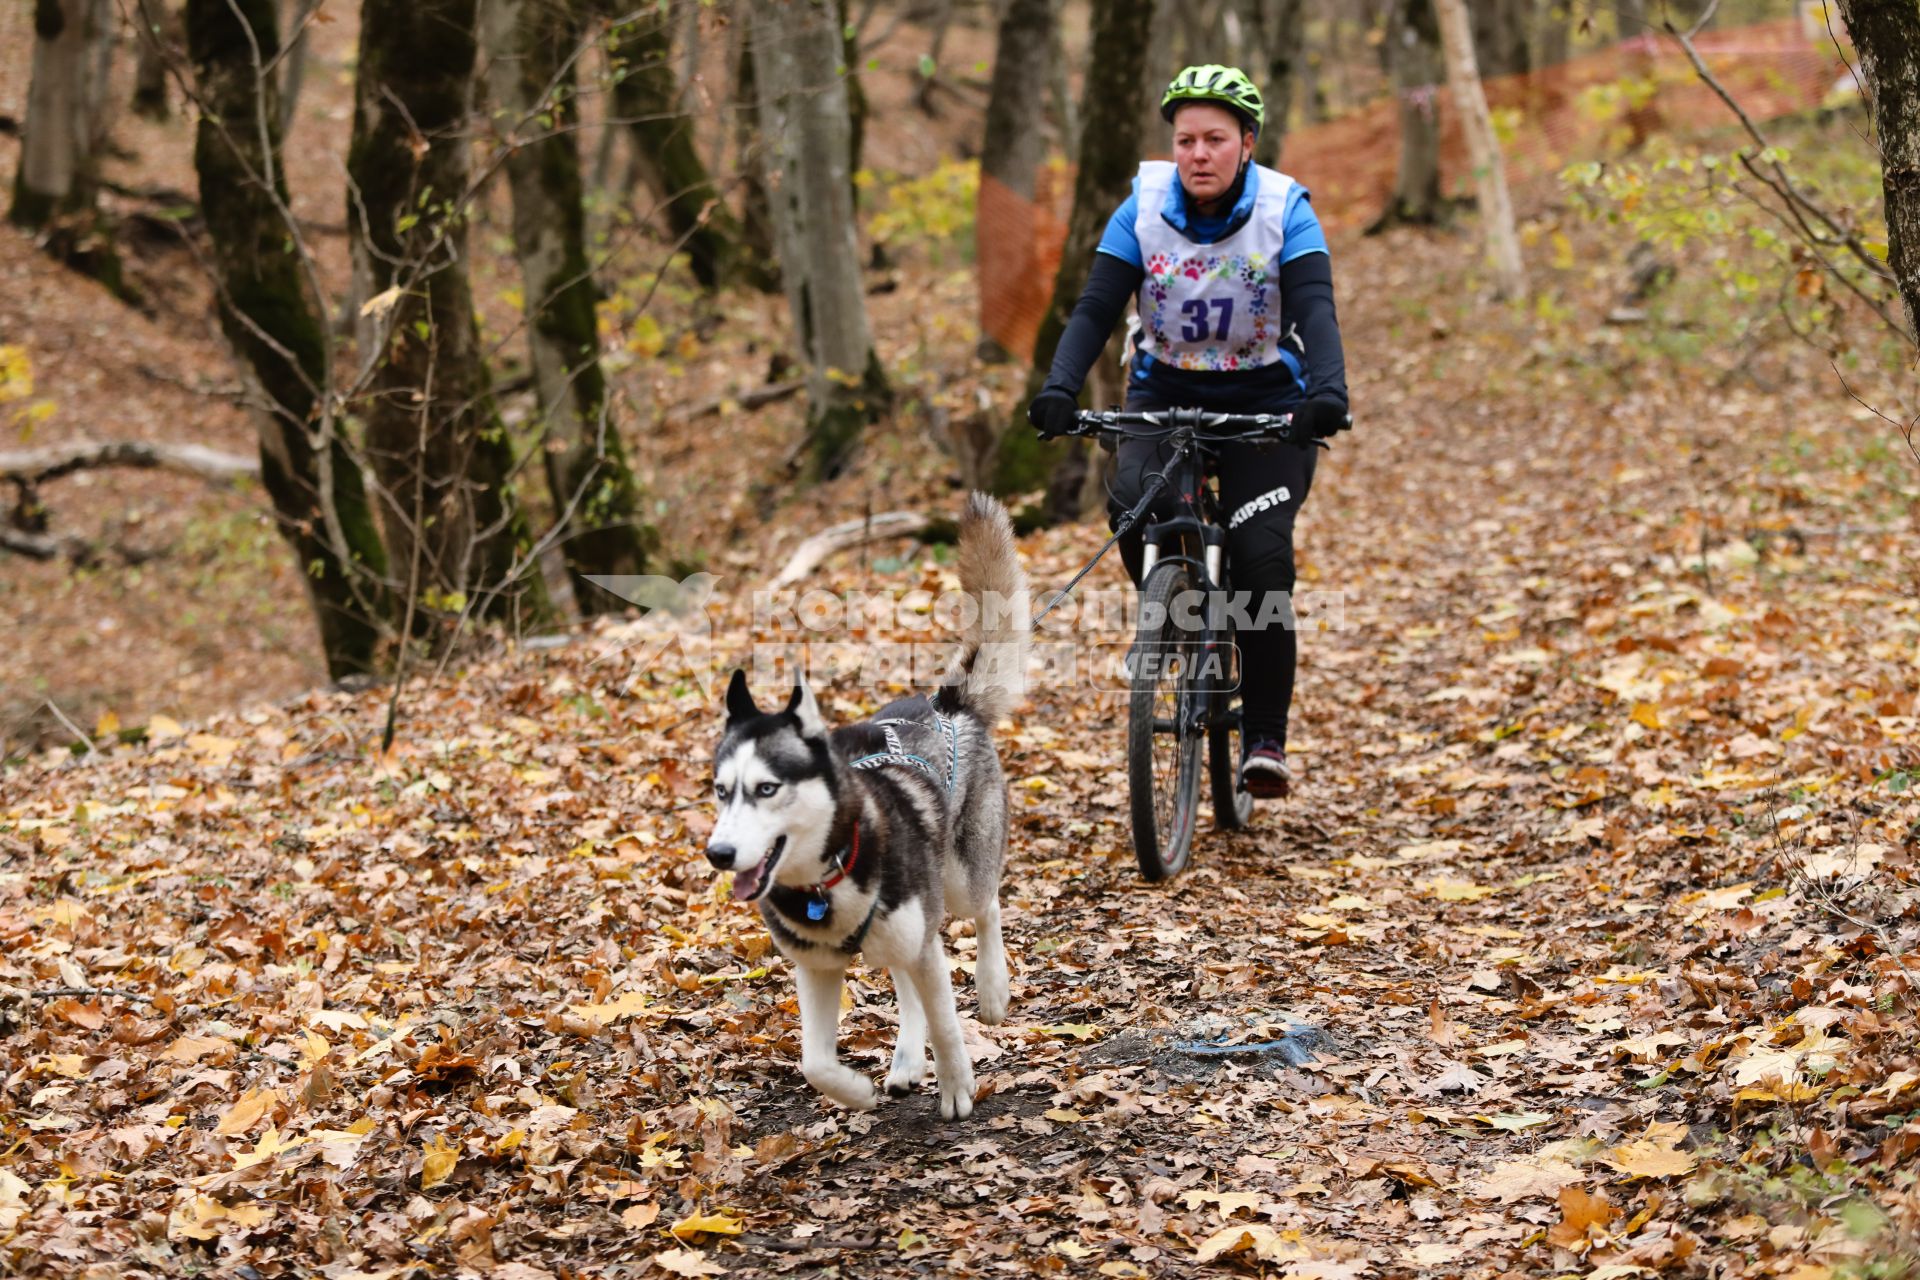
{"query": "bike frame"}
(1192, 436)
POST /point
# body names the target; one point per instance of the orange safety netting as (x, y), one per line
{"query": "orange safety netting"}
(1593, 106)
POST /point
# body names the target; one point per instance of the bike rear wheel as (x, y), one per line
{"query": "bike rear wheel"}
(1169, 694)
(1232, 803)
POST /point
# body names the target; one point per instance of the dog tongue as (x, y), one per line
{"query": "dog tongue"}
(747, 883)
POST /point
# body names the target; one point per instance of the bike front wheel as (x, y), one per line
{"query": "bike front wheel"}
(1169, 696)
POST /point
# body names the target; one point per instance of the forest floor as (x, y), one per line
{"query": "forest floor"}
(1590, 916)
(1591, 910)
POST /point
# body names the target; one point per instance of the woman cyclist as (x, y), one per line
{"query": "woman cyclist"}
(1230, 275)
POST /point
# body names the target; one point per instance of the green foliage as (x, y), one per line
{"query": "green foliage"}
(1703, 212)
(934, 212)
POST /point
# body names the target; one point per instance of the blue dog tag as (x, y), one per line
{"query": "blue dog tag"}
(816, 909)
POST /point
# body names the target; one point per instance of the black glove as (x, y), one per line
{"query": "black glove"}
(1318, 419)
(1052, 412)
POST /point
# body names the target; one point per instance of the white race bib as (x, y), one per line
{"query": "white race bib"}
(1214, 307)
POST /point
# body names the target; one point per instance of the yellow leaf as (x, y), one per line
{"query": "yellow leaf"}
(161, 728)
(438, 1166)
(1645, 713)
(213, 748)
(1655, 1155)
(602, 1015)
(195, 1218)
(1072, 1249)
(313, 1047)
(247, 1112)
(1078, 1030)
(106, 725)
(721, 1222)
(1460, 891)
(1063, 1115)
(1262, 1240)
(266, 1149)
(381, 303)
(508, 1141)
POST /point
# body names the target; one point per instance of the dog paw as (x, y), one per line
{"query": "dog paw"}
(847, 1087)
(902, 1079)
(993, 1003)
(956, 1097)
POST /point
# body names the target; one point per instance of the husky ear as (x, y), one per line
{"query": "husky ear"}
(803, 708)
(740, 698)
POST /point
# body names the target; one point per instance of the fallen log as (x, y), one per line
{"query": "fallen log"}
(809, 555)
(749, 400)
(35, 466)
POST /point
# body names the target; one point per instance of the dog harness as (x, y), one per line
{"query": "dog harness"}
(897, 753)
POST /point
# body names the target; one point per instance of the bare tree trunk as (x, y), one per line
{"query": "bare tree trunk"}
(647, 100)
(1160, 62)
(293, 71)
(1060, 105)
(436, 443)
(1883, 33)
(756, 212)
(271, 319)
(1500, 36)
(55, 173)
(102, 110)
(57, 183)
(1111, 143)
(1283, 33)
(1490, 170)
(533, 47)
(155, 32)
(1553, 30)
(797, 48)
(857, 108)
(1012, 151)
(1412, 51)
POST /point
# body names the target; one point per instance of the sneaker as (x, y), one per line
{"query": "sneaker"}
(1264, 773)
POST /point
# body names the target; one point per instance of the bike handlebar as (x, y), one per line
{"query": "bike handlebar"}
(1224, 426)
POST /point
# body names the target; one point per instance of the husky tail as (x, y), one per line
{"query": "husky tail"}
(990, 677)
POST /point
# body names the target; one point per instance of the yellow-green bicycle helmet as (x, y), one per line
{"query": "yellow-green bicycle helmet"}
(1227, 86)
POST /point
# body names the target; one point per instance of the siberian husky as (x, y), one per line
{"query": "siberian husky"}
(862, 839)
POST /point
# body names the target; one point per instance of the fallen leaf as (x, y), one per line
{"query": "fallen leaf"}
(247, 1112)
(1513, 1180)
(687, 1262)
(438, 1163)
(1654, 1155)
(723, 1222)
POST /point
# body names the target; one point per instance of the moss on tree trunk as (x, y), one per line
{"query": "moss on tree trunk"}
(437, 445)
(535, 95)
(646, 97)
(269, 316)
(1110, 150)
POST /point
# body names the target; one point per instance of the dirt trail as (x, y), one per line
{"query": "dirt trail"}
(1548, 911)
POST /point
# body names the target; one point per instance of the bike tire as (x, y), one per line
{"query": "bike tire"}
(1164, 784)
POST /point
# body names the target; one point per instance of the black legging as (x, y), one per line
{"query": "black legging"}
(1261, 491)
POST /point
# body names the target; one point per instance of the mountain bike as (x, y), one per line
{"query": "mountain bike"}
(1182, 670)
